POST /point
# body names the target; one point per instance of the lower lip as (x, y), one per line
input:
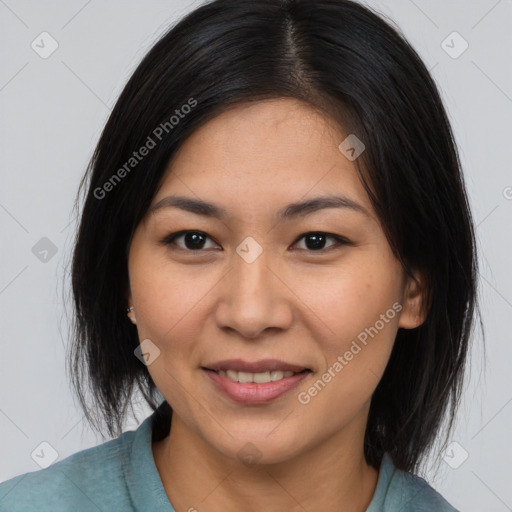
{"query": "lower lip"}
(253, 393)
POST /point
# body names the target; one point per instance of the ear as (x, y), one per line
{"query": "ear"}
(415, 306)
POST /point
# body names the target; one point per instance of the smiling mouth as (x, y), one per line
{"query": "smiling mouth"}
(255, 382)
(258, 378)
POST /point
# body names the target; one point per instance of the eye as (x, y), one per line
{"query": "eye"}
(195, 240)
(315, 241)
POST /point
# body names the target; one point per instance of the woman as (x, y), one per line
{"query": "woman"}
(276, 241)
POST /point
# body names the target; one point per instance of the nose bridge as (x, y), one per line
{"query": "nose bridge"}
(251, 273)
(253, 298)
(251, 289)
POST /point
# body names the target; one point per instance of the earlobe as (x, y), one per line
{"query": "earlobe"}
(130, 311)
(131, 314)
(414, 304)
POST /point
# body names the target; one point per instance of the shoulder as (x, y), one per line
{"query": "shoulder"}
(92, 479)
(411, 493)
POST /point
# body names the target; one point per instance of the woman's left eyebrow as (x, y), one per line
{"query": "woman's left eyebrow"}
(290, 211)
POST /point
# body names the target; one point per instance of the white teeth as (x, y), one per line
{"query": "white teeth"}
(245, 377)
(261, 378)
(258, 378)
(231, 375)
(277, 375)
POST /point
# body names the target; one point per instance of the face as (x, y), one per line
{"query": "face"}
(264, 290)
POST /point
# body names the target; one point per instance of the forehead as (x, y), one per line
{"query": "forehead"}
(278, 150)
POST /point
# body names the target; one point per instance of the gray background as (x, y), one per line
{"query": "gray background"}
(52, 112)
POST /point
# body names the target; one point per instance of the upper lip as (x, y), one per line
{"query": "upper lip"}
(264, 365)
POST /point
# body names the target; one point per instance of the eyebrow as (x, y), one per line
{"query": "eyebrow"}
(292, 210)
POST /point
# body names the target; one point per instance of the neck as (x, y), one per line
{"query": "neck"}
(333, 476)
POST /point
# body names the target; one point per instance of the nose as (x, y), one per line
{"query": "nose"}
(253, 299)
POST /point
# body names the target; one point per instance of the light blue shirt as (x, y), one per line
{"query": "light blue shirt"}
(121, 476)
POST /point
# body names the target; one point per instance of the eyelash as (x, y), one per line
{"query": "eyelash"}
(340, 241)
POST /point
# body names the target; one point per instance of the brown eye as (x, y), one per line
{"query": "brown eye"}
(315, 241)
(192, 240)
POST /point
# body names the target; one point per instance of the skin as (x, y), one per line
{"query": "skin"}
(293, 303)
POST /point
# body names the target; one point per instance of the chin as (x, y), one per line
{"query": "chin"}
(259, 448)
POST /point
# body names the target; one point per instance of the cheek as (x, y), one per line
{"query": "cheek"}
(168, 303)
(359, 311)
(168, 299)
(351, 298)
(355, 359)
